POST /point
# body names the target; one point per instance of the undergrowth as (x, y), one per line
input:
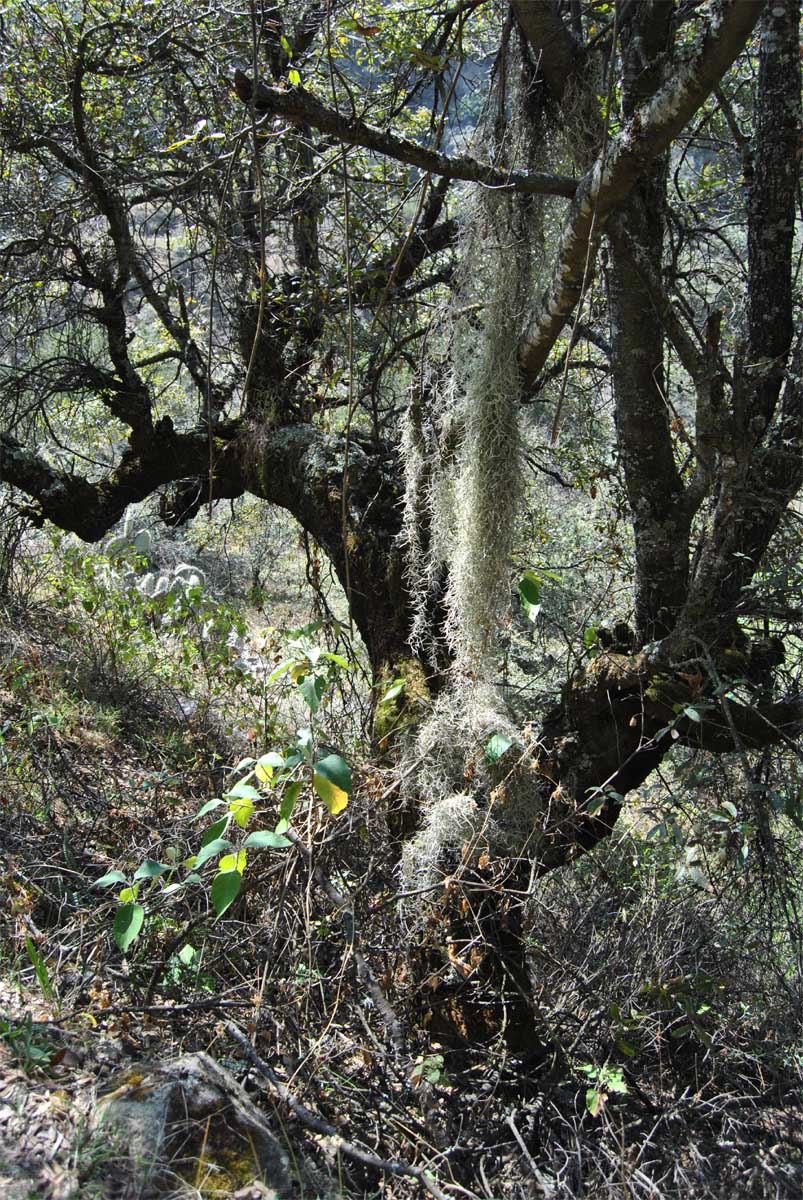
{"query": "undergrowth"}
(669, 1004)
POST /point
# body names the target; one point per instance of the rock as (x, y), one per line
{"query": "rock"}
(188, 1127)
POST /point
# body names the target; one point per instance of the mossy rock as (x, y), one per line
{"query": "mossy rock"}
(191, 1120)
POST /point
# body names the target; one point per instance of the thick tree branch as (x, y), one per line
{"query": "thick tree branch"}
(91, 509)
(556, 51)
(403, 260)
(296, 104)
(646, 135)
(772, 202)
(757, 481)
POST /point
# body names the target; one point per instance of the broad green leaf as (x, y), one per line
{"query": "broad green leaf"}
(273, 759)
(150, 869)
(187, 955)
(333, 797)
(496, 747)
(109, 878)
(208, 807)
(242, 791)
(590, 637)
(267, 764)
(242, 810)
(336, 770)
(128, 894)
(595, 1101)
(312, 688)
(215, 831)
(530, 594)
(289, 799)
(225, 890)
(127, 924)
(395, 689)
(338, 659)
(280, 670)
(293, 76)
(211, 849)
(692, 714)
(242, 764)
(262, 839)
(233, 862)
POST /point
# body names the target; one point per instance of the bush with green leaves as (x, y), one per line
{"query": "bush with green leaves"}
(266, 791)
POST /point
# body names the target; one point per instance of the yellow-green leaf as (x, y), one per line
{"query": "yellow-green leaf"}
(242, 809)
(233, 862)
(333, 797)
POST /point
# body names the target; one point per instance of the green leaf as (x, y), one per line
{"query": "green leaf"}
(333, 797)
(225, 890)
(40, 967)
(590, 637)
(594, 1101)
(242, 791)
(267, 764)
(150, 869)
(127, 925)
(289, 801)
(496, 747)
(233, 862)
(273, 759)
(336, 770)
(242, 810)
(128, 894)
(312, 688)
(337, 659)
(215, 831)
(395, 689)
(332, 781)
(266, 839)
(280, 670)
(211, 849)
(294, 76)
(208, 807)
(692, 714)
(530, 594)
(109, 878)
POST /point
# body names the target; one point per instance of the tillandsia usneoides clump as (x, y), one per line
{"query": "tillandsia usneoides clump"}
(488, 481)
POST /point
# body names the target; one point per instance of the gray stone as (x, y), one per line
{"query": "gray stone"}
(188, 1126)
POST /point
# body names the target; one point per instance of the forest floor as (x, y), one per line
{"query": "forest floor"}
(675, 1092)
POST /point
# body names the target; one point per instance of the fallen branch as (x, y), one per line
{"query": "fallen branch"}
(317, 1125)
